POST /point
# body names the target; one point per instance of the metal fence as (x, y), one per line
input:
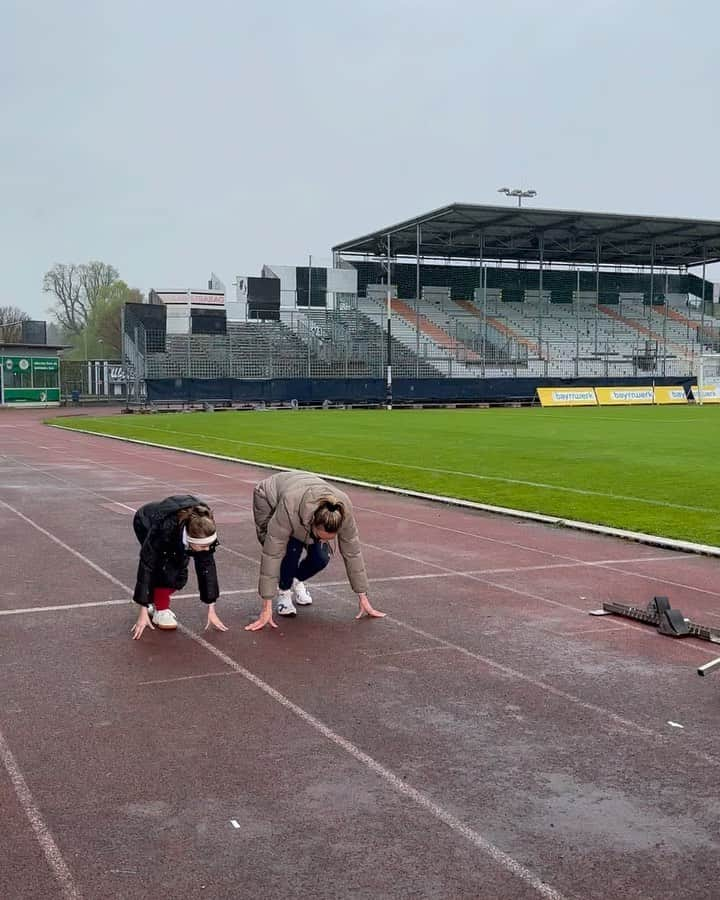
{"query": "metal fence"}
(537, 340)
(93, 378)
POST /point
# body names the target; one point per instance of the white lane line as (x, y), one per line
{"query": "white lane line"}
(506, 543)
(582, 631)
(66, 547)
(456, 825)
(382, 655)
(43, 835)
(21, 611)
(312, 451)
(498, 856)
(621, 721)
(186, 678)
(521, 592)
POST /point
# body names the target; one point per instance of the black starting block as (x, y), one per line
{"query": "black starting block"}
(668, 621)
(659, 613)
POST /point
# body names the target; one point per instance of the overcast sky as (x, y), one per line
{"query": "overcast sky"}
(172, 138)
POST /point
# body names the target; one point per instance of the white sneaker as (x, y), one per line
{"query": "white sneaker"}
(285, 606)
(302, 595)
(164, 620)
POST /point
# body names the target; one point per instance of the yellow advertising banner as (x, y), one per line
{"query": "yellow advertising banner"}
(567, 397)
(710, 394)
(670, 395)
(624, 396)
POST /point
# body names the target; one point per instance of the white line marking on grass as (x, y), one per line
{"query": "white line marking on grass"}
(498, 856)
(575, 524)
(43, 835)
(383, 462)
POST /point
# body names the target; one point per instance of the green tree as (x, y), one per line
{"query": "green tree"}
(100, 338)
(77, 289)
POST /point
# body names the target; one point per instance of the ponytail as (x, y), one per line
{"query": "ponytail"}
(329, 514)
(198, 520)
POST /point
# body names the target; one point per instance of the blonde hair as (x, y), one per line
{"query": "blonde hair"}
(329, 514)
(198, 520)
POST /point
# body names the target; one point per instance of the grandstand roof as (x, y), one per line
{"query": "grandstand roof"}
(512, 233)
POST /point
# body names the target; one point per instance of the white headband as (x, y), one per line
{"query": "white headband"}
(201, 541)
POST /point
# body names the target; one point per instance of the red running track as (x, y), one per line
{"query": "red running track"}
(488, 739)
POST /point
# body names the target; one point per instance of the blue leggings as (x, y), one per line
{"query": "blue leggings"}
(316, 558)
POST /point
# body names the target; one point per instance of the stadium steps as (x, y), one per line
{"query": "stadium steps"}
(434, 331)
(644, 330)
(501, 326)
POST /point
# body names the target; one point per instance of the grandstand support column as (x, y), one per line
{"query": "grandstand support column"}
(652, 285)
(137, 365)
(485, 322)
(665, 318)
(188, 368)
(484, 346)
(577, 326)
(388, 392)
(702, 306)
(541, 248)
(418, 238)
(597, 290)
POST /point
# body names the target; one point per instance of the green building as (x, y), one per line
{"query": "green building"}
(29, 374)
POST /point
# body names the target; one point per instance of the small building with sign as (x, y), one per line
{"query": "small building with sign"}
(29, 374)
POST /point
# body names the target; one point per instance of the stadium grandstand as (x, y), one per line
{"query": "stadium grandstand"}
(467, 301)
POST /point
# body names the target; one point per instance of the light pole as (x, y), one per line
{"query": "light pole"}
(517, 192)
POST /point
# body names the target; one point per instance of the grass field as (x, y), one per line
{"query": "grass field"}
(651, 469)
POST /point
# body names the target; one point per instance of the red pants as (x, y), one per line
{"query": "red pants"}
(161, 598)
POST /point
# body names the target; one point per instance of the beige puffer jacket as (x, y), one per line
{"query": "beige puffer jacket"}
(283, 507)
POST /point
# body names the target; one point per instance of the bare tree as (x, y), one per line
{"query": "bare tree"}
(77, 289)
(11, 319)
(63, 281)
(95, 278)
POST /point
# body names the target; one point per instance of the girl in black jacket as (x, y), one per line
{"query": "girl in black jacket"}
(170, 532)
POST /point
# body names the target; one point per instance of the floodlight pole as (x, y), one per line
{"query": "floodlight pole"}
(418, 238)
(577, 326)
(482, 262)
(388, 392)
(597, 290)
(702, 305)
(517, 192)
(541, 247)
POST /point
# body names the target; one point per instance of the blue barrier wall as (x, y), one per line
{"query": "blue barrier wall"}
(372, 390)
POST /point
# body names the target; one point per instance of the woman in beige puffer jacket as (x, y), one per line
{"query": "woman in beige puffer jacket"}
(298, 515)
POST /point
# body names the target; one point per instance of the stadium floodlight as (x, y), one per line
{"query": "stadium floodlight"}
(517, 192)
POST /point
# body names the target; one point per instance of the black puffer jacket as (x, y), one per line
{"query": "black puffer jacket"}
(164, 558)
